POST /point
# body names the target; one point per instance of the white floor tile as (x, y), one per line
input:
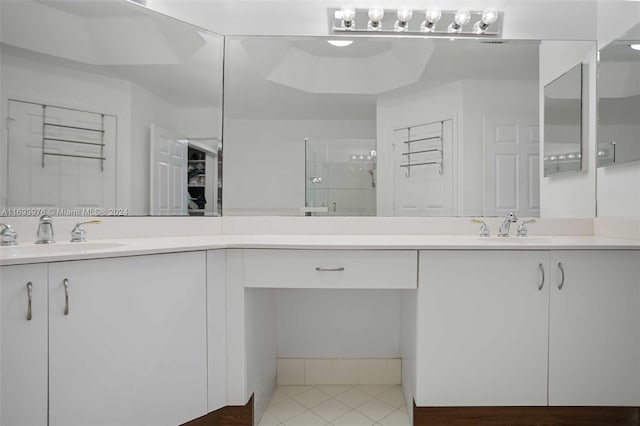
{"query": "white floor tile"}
(376, 410)
(278, 396)
(268, 420)
(374, 390)
(306, 419)
(397, 418)
(331, 405)
(311, 398)
(286, 410)
(353, 398)
(393, 397)
(331, 410)
(353, 418)
(292, 391)
(333, 390)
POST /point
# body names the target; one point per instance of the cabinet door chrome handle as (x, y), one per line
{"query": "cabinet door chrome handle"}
(319, 269)
(29, 294)
(562, 279)
(542, 280)
(65, 282)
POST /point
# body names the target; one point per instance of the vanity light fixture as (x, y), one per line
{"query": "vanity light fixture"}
(347, 16)
(432, 16)
(402, 23)
(635, 46)
(375, 19)
(489, 16)
(461, 18)
(487, 23)
(340, 43)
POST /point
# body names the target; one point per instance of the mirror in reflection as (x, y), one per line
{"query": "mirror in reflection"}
(619, 100)
(383, 126)
(563, 123)
(109, 106)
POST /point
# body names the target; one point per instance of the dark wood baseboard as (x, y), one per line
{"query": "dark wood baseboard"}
(526, 416)
(231, 415)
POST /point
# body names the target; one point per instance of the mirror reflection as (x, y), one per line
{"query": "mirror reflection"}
(381, 126)
(563, 123)
(111, 108)
(619, 100)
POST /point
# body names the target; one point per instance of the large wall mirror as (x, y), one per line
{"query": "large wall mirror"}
(111, 109)
(381, 127)
(619, 100)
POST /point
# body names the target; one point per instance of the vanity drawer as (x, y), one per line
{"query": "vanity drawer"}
(346, 269)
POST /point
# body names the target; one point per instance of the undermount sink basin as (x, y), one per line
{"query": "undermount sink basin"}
(55, 248)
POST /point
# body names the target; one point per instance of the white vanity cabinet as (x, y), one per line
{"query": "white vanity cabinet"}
(125, 340)
(23, 358)
(482, 328)
(594, 340)
(489, 335)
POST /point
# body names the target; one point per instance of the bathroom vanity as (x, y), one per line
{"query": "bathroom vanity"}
(165, 330)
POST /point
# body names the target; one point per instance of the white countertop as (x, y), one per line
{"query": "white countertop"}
(104, 248)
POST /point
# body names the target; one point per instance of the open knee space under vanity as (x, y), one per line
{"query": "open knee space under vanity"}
(330, 334)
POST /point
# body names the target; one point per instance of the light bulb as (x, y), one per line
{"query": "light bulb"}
(635, 46)
(431, 17)
(489, 16)
(348, 14)
(461, 18)
(375, 16)
(402, 23)
(405, 15)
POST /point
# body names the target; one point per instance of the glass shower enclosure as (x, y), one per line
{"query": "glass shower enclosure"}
(340, 177)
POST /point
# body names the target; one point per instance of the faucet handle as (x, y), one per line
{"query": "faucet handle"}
(8, 237)
(522, 228)
(78, 232)
(484, 229)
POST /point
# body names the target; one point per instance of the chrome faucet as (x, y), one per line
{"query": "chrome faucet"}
(503, 231)
(45, 230)
(8, 237)
(78, 232)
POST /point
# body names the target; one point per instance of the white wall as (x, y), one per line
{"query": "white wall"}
(338, 323)
(570, 195)
(260, 183)
(618, 192)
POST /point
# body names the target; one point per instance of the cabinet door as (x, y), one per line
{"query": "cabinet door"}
(482, 328)
(132, 348)
(594, 342)
(23, 361)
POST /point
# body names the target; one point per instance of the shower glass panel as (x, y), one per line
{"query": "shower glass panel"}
(340, 177)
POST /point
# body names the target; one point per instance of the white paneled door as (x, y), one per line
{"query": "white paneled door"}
(168, 180)
(426, 189)
(512, 173)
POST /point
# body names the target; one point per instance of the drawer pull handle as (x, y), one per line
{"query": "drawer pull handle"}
(562, 276)
(29, 294)
(542, 281)
(65, 282)
(319, 269)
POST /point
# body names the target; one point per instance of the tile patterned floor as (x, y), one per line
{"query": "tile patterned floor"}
(336, 405)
